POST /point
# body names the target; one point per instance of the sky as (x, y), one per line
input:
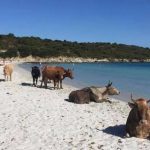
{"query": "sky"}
(120, 21)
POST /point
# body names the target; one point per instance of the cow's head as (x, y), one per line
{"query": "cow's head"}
(68, 73)
(140, 107)
(112, 90)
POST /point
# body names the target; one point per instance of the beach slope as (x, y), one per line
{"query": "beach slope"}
(34, 118)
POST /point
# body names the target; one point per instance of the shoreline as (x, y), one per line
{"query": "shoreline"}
(62, 59)
(80, 83)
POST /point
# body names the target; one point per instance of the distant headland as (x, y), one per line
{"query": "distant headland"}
(33, 49)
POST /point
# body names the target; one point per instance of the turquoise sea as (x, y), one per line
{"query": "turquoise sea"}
(127, 77)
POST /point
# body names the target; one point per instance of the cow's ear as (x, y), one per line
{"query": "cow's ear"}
(109, 84)
(131, 105)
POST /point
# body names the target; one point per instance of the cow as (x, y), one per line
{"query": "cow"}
(55, 73)
(35, 72)
(138, 121)
(8, 70)
(67, 73)
(96, 94)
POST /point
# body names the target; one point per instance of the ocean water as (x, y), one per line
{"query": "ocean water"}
(126, 77)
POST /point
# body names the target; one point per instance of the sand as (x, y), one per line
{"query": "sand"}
(34, 118)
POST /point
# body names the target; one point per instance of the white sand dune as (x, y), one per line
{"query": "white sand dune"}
(40, 119)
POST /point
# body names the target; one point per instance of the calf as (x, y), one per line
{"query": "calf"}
(138, 122)
(35, 72)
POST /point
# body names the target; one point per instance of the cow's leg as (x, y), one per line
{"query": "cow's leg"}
(54, 84)
(36, 81)
(33, 81)
(102, 100)
(61, 84)
(45, 82)
(127, 135)
(105, 99)
(41, 82)
(10, 77)
(58, 84)
(5, 77)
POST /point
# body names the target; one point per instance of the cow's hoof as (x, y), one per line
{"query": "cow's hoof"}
(127, 135)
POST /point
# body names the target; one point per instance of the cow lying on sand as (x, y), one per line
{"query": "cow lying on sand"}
(138, 122)
(8, 70)
(55, 73)
(96, 94)
(35, 72)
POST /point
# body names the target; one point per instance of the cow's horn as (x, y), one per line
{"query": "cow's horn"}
(132, 98)
(148, 101)
(109, 84)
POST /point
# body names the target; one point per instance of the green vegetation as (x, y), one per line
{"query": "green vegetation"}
(12, 46)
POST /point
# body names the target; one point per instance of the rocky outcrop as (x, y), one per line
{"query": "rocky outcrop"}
(70, 59)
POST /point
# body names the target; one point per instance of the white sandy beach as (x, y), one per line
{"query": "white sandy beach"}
(40, 119)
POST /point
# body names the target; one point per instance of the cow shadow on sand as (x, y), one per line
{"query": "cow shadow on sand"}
(38, 86)
(117, 130)
(26, 84)
(67, 100)
(2, 80)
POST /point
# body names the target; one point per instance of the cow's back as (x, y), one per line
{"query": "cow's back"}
(52, 72)
(79, 96)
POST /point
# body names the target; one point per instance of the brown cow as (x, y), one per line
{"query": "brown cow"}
(55, 73)
(138, 122)
(96, 94)
(67, 73)
(8, 70)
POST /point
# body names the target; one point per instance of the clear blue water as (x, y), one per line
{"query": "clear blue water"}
(127, 77)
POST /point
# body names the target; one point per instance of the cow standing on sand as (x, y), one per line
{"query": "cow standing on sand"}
(8, 70)
(55, 73)
(96, 94)
(35, 72)
(138, 122)
(67, 73)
